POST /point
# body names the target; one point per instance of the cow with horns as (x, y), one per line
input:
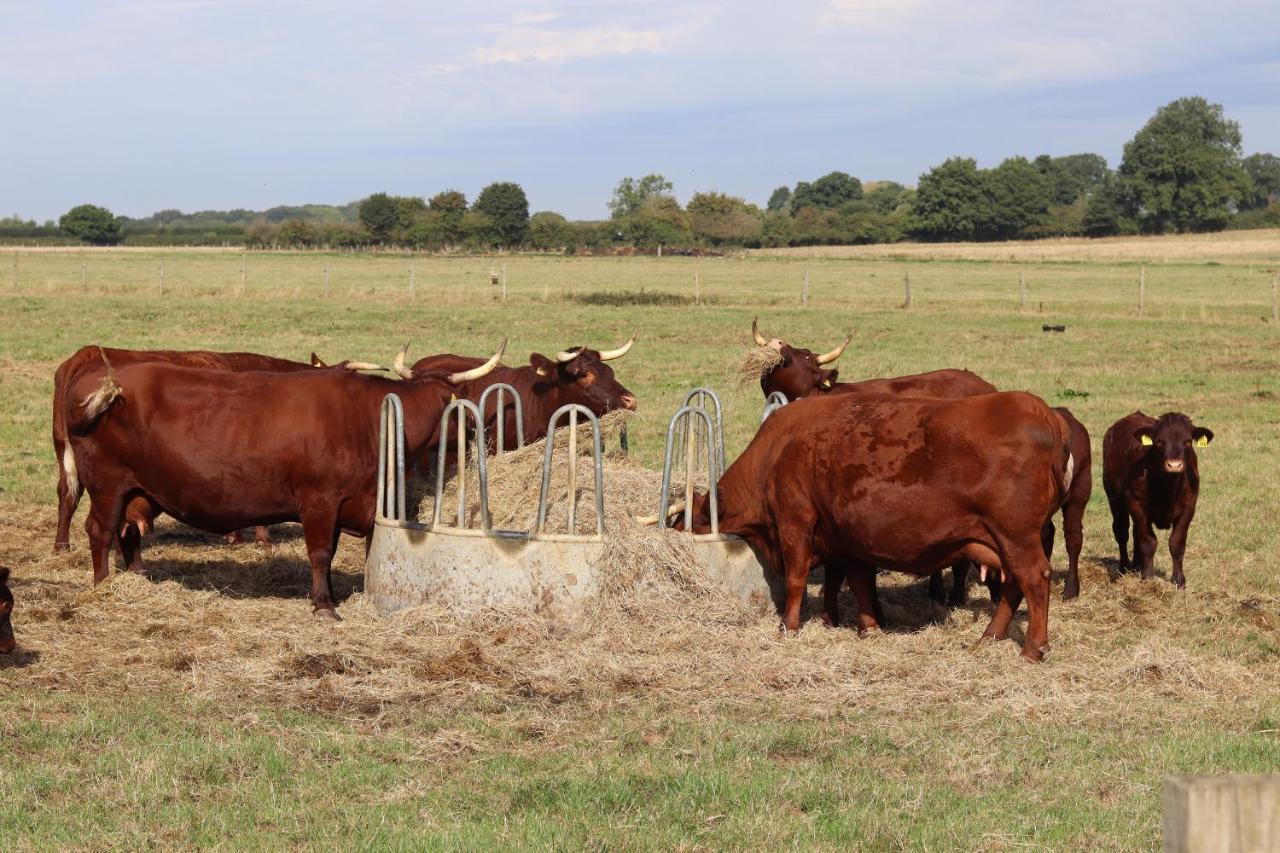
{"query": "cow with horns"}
(137, 516)
(576, 375)
(222, 450)
(911, 484)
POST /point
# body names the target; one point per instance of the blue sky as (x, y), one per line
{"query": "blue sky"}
(142, 105)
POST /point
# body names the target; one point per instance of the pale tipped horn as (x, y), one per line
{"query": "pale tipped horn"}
(827, 358)
(755, 333)
(398, 364)
(567, 355)
(611, 354)
(482, 370)
(362, 365)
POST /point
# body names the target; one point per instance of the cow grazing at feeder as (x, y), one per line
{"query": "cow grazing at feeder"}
(223, 450)
(907, 484)
(7, 642)
(1152, 479)
(576, 375)
(801, 373)
(139, 515)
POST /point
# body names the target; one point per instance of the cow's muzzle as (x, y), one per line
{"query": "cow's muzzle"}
(629, 402)
(1174, 466)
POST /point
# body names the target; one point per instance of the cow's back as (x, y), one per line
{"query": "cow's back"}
(943, 384)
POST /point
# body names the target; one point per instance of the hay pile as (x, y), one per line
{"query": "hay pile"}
(753, 364)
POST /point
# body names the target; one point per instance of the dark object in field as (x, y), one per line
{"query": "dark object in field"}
(907, 484)
(1051, 328)
(801, 373)
(7, 643)
(222, 450)
(633, 297)
(576, 375)
(140, 515)
(1152, 477)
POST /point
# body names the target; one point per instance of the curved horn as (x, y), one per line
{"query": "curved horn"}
(482, 370)
(398, 365)
(611, 354)
(568, 355)
(755, 333)
(827, 358)
(363, 365)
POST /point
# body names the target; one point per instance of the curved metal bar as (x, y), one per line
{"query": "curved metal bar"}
(702, 394)
(499, 389)
(664, 502)
(391, 481)
(573, 410)
(772, 403)
(463, 408)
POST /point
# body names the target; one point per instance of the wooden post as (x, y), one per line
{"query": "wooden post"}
(504, 281)
(659, 250)
(804, 291)
(1142, 290)
(411, 287)
(16, 279)
(84, 282)
(546, 289)
(326, 279)
(1022, 291)
(906, 303)
(1221, 813)
(162, 278)
(697, 287)
(1275, 304)
(244, 275)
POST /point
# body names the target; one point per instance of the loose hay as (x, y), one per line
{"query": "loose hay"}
(754, 364)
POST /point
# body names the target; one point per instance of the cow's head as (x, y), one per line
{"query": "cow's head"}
(1171, 441)
(581, 375)
(7, 642)
(801, 371)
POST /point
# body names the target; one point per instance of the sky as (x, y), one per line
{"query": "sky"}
(143, 105)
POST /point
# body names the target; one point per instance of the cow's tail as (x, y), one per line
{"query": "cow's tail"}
(69, 469)
(96, 403)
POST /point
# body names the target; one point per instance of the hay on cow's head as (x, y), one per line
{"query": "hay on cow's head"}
(754, 364)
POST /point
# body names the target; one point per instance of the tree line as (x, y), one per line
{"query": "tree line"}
(1182, 171)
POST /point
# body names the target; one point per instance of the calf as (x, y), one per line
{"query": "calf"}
(7, 642)
(1151, 476)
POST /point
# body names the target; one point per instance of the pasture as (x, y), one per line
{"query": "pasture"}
(202, 704)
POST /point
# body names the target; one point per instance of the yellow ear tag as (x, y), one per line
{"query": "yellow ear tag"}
(826, 383)
(541, 372)
(1202, 442)
(452, 397)
(1146, 441)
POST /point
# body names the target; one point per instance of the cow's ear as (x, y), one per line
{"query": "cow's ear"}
(315, 361)
(4, 574)
(542, 365)
(1144, 436)
(1202, 436)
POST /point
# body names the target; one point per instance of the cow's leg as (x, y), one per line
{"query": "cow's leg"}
(1006, 606)
(1120, 529)
(262, 536)
(1073, 535)
(131, 548)
(320, 529)
(835, 572)
(862, 579)
(235, 537)
(797, 557)
(1031, 572)
(1144, 546)
(68, 500)
(1178, 545)
(936, 591)
(959, 582)
(1047, 534)
(105, 515)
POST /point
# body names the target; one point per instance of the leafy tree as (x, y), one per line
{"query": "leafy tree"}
(885, 196)
(1263, 171)
(91, 223)
(1108, 210)
(780, 199)
(446, 210)
(297, 233)
(507, 208)
(778, 230)
(450, 202)
(949, 202)
(630, 195)
(479, 231)
(1016, 195)
(828, 192)
(1072, 176)
(379, 214)
(549, 231)
(1183, 167)
(660, 222)
(724, 219)
(408, 208)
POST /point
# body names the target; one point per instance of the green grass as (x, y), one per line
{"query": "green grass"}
(125, 769)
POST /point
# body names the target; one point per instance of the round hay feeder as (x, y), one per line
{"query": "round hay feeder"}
(471, 567)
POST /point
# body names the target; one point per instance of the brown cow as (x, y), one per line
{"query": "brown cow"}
(139, 515)
(7, 643)
(909, 484)
(1151, 475)
(1073, 506)
(576, 375)
(224, 450)
(801, 374)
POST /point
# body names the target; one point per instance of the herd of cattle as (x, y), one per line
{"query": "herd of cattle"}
(913, 474)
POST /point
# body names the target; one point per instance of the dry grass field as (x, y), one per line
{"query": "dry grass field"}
(200, 704)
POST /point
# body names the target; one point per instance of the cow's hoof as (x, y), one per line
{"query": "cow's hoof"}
(327, 613)
(1035, 655)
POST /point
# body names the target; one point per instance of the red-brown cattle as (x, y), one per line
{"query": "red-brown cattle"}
(1152, 478)
(7, 642)
(801, 374)
(225, 450)
(1073, 506)
(909, 484)
(139, 515)
(576, 375)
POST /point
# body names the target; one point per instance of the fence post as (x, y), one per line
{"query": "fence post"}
(411, 284)
(1236, 812)
(16, 279)
(1142, 290)
(1275, 304)
(326, 279)
(697, 287)
(244, 275)
(84, 282)
(546, 289)
(162, 278)
(804, 292)
(504, 281)
(906, 303)
(1022, 291)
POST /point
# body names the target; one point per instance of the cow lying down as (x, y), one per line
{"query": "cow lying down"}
(907, 484)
